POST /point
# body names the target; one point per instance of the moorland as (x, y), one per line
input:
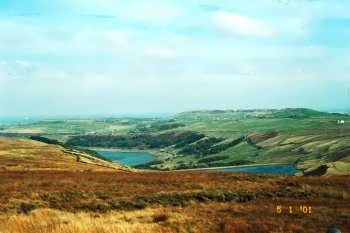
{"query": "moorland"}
(46, 189)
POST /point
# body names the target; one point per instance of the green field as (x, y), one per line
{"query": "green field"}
(303, 137)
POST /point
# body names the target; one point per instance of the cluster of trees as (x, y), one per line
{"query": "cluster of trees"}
(183, 165)
(209, 146)
(145, 140)
(166, 126)
(201, 147)
(45, 140)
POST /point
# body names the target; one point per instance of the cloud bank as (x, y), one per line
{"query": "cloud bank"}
(109, 57)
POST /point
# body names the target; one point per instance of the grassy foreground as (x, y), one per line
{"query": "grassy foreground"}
(63, 201)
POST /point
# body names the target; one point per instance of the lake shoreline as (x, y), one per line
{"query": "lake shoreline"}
(296, 172)
(218, 169)
(222, 169)
(114, 149)
(235, 166)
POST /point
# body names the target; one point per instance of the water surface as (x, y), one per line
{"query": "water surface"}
(273, 169)
(140, 158)
(127, 158)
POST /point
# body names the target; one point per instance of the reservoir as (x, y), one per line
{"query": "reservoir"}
(127, 158)
(281, 169)
(139, 158)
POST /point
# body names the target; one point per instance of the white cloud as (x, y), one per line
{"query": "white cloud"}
(241, 25)
(46, 39)
(119, 38)
(162, 53)
(23, 64)
(144, 48)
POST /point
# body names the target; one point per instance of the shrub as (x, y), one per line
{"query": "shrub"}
(98, 207)
(26, 208)
(160, 218)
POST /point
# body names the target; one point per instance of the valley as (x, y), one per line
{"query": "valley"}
(312, 141)
(57, 176)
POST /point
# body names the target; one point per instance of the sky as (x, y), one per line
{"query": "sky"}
(105, 57)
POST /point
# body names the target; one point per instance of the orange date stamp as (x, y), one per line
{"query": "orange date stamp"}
(302, 209)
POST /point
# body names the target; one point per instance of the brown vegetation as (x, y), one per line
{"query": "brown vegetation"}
(260, 137)
(44, 189)
(169, 202)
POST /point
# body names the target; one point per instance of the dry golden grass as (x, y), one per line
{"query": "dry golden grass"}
(43, 189)
(62, 201)
(22, 154)
(54, 221)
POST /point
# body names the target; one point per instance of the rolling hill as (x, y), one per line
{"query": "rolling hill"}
(309, 139)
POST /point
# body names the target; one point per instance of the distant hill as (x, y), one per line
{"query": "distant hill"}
(298, 113)
(261, 113)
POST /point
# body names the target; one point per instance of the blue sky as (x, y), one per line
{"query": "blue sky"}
(84, 57)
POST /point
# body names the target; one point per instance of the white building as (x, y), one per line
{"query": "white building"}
(340, 122)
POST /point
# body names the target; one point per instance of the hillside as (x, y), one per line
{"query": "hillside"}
(263, 113)
(28, 155)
